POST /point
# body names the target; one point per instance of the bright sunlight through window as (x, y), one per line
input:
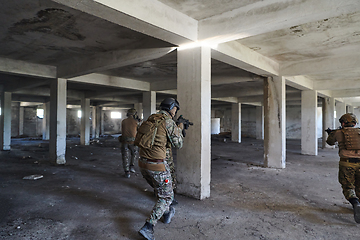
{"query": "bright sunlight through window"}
(40, 113)
(115, 114)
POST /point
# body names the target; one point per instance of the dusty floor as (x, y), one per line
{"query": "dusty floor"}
(89, 198)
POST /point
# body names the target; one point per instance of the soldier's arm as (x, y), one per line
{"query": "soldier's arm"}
(174, 134)
(331, 139)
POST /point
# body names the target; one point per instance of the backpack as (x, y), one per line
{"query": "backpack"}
(352, 138)
(145, 136)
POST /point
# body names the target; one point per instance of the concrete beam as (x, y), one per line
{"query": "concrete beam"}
(320, 65)
(268, 16)
(337, 85)
(226, 99)
(111, 81)
(300, 82)
(26, 68)
(215, 80)
(240, 56)
(346, 93)
(33, 99)
(163, 85)
(150, 17)
(45, 92)
(325, 93)
(110, 60)
(238, 93)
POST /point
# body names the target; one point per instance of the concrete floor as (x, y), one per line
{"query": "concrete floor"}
(88, 198)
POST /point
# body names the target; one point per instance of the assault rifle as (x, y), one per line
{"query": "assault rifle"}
(136, 117)
(328, 130)
(185, 122)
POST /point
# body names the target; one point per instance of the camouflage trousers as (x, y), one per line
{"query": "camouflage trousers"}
(162, 184)
(170, 160)
(129, 154)
(349, 178)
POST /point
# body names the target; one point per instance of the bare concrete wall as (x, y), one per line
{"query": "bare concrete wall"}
(293, 122)
(111, 125)
(248, 121)
(30, 122)
(72, 122)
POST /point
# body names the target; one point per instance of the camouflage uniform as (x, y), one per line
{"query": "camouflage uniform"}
(129, 151)
(349, 166)
(161, 181)
(129, 154)
(170, 162)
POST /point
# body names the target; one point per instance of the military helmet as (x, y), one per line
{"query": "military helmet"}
(348, 118)
(169, 103)
(131, 111)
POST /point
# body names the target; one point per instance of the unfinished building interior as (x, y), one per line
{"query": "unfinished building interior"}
(260, 79)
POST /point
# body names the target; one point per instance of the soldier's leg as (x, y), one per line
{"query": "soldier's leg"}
(347, 179)
(134, 156)
(165, 194)
(347, 176)
(126, 158)
(357, 180)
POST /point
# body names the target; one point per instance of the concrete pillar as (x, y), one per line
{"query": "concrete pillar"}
(149, 103)
(349, 109)
(93, 121)
(194, 95)
(46, 122)
(102, 117)
(340, 108)
(57, 146)
(328, 108)
(274, 122)
(139, 108)
(309, 140)
(236, 122)
(5, 123)
(98, 123)
(21, 121)
(357, 114)
(259, 122)
(85, 121)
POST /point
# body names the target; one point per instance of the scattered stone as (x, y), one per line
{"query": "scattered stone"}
(33, 177)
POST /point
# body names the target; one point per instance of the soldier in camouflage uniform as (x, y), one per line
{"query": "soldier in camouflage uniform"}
(129, 151)
(156, 170)
(348, 139)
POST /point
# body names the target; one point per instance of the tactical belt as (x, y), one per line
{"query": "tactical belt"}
(159, 166)
(350, 160)
(154, 160)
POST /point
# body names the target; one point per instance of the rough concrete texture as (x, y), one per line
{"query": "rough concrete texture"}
(88, 198)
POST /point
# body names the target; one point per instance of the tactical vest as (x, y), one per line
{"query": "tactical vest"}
(352, 138)
(148, 134)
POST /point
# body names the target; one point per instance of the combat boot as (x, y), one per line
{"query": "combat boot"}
(147, 231)
(356, 206)
(132, 169)
(127, 174)
(357, 212)
(174, 202)
(167, 216)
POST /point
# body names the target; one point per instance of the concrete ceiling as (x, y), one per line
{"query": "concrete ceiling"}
(114, 50)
